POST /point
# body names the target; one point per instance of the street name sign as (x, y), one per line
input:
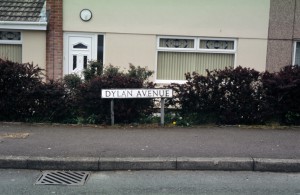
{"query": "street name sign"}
(136, 93)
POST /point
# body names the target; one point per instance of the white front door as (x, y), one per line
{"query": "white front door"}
(79, 50)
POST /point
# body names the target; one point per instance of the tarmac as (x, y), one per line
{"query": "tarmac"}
(105, 148)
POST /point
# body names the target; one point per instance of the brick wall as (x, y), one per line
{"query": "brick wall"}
(54, 57)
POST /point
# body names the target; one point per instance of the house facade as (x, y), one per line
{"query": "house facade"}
(171, 37)
(23, 26)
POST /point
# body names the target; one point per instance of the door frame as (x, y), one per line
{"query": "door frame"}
(66, 51)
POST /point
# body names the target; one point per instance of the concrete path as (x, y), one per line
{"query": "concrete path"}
(98, 148)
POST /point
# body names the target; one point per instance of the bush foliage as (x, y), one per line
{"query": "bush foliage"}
(16, 85)
(230, 96)
(240, 96)
(283, 94)
(126, 110)
(52, 103)
(93, 69)
(25, 97)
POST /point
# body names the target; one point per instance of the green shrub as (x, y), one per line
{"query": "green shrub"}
(126, 110)
(93, 70)
(25, 97)
(229, 96)
(283, 92)
(52, 103)
(240, 96)
(72, 81)
(16, 84)
(139, 72)
(112, 71)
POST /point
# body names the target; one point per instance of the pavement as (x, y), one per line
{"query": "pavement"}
(98, 148)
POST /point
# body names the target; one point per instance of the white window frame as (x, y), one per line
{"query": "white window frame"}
(176, 49)
(12, 42)
(231, 51)
(196, 49)
(294, 52)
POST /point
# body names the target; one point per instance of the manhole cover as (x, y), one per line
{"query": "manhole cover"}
(63, 178)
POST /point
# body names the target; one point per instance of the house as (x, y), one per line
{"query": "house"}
(170, 37)
(23, 26)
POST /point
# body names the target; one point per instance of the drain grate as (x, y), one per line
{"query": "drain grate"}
(63, 178)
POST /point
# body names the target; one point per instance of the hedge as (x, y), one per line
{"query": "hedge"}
(25, 97)
(126, 110)
(230, 96)
(16, 84)
(240, 96)
(91, 108)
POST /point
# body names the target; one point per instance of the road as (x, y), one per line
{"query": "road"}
(157, 182)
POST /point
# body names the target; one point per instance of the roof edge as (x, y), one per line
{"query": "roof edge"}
(16, 25)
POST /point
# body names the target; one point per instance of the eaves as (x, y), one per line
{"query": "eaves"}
(18, 25)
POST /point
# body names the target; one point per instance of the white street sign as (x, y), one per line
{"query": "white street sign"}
(136, 93)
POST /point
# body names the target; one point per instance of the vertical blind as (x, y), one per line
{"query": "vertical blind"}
(11, 52)
(173, 65)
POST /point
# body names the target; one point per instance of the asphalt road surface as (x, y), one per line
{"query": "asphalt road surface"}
(157, 182)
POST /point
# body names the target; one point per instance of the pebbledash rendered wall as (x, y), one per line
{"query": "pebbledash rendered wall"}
(131, 27)
(284, 30)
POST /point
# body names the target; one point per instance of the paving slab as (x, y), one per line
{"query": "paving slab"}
(44, 146)
(80, 141)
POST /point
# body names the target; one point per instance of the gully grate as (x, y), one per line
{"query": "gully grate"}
(63, 178)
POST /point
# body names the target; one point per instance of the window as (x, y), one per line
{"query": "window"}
(74, 62)
(100, 45)
(177, 43)
(179, 55)
(11, 36)
(80, 46)
(11, 46)
(297, 53)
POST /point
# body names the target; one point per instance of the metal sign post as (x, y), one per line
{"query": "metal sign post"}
(112, 113)
(162, 111)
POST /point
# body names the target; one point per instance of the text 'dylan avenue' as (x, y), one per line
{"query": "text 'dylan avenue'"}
(136, 93)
